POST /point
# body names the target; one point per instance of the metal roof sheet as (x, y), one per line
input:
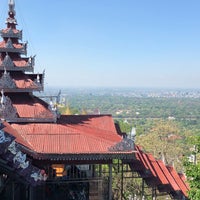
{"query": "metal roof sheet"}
(178, 180)
(30, 107)
(78, 137)
(169, 177)
(166, 175)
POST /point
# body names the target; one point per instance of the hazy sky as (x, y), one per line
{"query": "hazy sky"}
(134, 43)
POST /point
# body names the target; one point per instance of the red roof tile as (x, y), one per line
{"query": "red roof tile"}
(167, 176)
(157, 169)
(139, 157)
(103, 125)
(76, 138)
(178, 180)
(19, 138)
(18, 62)
(30, 107)
(183, 178)
(17, 46)
(25, 80)
(148, 164)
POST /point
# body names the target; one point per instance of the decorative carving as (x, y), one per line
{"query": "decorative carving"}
(24, 48)
(12, 148)
(7, 62)
(5, 141)
(125, 145)
(20, 160)
(11, 21)
(37, 81)
(53, 108)
(39, 175)
(24, 165)
(10, 32)
(10, 48)
(31, 61)
(9, 44)
(3, 138)
(6, 81)
(7, 111)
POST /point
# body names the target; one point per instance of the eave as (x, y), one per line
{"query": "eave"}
(22, 90)
(17, 68)
(83, 157)
(11, 33)
(31, 120)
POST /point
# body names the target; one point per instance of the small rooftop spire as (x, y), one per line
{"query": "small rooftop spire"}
(11, 21)
(3, 99)
(11, 4)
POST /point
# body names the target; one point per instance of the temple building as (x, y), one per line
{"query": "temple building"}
(48, 156)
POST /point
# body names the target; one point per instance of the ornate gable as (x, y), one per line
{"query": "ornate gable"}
(7, 111)
(7, 62)
(125, 145)
(6, 81)
(9, 44)
(12, 34)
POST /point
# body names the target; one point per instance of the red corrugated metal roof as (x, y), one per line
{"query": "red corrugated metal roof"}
(30, 107)
(183, 178)
(79, 137)
(34, 110)
(139, 156)
(24, 81)
(19, 138)
(165, 175)
(157, 169)
(178, 180)
(146, 162)
(169, 177)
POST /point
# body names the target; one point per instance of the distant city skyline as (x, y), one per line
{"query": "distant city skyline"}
(112, 43)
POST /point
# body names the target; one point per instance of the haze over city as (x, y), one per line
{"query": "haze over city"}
(112, 43)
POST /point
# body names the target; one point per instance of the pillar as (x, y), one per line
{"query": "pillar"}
(110, 183)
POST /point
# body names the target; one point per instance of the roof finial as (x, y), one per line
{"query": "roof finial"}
(11, 4)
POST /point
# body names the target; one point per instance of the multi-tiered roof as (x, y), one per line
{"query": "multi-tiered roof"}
(49, 134)
(18, 104)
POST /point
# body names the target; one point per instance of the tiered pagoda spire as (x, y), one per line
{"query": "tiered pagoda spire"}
(15, 83)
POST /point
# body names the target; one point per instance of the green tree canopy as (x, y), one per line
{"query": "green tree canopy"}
(193, 170)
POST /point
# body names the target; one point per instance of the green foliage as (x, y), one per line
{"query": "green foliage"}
(124, 126)
(165, 140)
(193, 170)
(120, 106)
(69, 110)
